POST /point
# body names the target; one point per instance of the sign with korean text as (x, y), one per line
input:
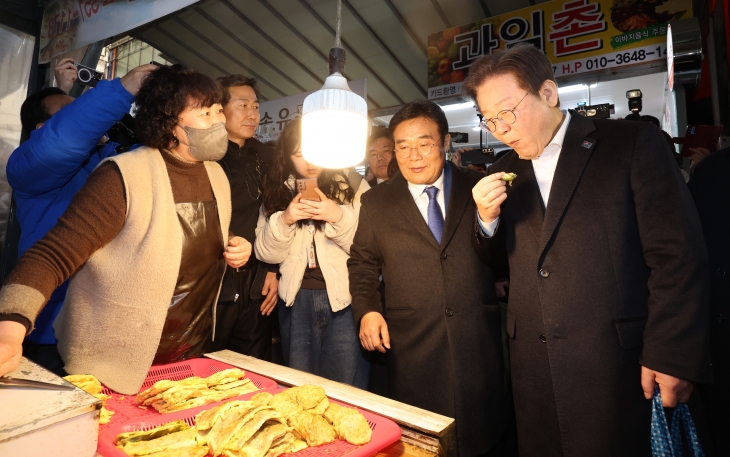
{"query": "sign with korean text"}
(71, 24)
(578, 36)
(277, 114)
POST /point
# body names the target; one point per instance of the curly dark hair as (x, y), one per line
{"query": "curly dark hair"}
(165, 93)
(277, 195)
(236, 80)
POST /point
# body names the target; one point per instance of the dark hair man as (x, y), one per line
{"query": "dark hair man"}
(606, 260)
(46, 171)
(441, 319)
(249, 294)
(380, 151)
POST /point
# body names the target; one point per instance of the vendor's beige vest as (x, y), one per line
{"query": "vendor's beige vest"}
(116, 304)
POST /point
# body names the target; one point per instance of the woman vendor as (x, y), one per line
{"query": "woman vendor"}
(146, 241)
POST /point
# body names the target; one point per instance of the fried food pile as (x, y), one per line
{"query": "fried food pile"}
(168, 396)
(265, 426)
(89, 384)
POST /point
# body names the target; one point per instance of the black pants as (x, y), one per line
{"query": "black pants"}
(45, 355)
(240, 326)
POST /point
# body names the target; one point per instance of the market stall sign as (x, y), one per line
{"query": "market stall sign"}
(578, 36)
(71, 24)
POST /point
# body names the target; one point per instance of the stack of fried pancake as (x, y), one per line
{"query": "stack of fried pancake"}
(168, 396)
(265, 426)
(89, 384)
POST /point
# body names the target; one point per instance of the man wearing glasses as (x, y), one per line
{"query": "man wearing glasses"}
(380, 152)
(440, 323)
(608, 271)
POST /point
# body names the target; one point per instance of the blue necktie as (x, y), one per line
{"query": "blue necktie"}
(435, 216)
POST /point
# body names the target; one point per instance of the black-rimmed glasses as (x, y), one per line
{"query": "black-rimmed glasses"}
(506, 116)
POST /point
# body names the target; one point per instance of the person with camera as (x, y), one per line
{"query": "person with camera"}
(146, 240)
(66, 144)
(309, 235)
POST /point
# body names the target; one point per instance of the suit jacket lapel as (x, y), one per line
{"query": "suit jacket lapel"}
(528, 196)
(403, 198)
(574, 155)
(459, 197)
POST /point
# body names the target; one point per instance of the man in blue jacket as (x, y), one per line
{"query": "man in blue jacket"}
(45, 172)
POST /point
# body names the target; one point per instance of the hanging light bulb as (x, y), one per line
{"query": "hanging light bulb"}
(335, 119)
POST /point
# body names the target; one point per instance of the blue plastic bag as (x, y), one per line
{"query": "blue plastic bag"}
(666, 442)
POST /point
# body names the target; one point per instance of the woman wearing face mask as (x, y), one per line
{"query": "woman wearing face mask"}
(146, 241)
(310, 240)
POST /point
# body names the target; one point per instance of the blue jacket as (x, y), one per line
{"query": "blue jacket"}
(46, 171)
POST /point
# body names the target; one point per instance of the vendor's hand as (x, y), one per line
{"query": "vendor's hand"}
(324, 210)
(673, 390)
(697, 156)
(489, 194)
(133, 80)
(296, 211)
(11, 345)
(237, 252)
(374, 332)
(271, 292)
(66, 74)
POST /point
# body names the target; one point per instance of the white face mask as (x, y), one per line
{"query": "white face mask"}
(208, 144)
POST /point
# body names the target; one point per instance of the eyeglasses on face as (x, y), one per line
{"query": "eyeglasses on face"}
(506, 116)
(403, 151)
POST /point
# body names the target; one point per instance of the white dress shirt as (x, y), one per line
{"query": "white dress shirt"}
(421, 197)
(379, 180)
(544, 167)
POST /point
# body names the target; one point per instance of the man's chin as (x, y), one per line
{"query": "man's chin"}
(527, 155)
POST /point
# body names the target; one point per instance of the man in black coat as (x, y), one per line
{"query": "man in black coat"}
(440, 326)
(608, 282)
(710, 187)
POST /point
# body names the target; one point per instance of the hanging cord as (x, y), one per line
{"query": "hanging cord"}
(338, 30)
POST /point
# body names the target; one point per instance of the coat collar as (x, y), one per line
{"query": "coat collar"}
(576, 151)
(528, 195)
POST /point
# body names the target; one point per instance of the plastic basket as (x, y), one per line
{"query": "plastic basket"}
(126, 409)
(385, 433)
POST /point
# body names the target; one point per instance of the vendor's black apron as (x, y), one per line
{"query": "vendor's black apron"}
(190, 318)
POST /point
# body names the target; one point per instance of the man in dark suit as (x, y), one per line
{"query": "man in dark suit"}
(710, 188)
(440, 325)
(380, 151)
(608, 282)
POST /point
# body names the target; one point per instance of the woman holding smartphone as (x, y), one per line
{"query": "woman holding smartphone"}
(309, 235)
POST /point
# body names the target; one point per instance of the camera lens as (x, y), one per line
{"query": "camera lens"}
(84, 75)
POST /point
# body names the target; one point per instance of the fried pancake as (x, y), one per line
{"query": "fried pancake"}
(179, 440)
(225, 428)
(250, 428)
(309, 396)
(280, 445)
(320, 432)
(197, 451)
(352, 427)
(260, 443)
(231, 385)
(261, 398)
(320, 408)
(229, 375)
(296, 446)
(284, 405)
(86, 382)
(299, 421)
(331, 412)
(147, 435)
(206, 419)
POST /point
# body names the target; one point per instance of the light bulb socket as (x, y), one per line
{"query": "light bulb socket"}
(337, 61)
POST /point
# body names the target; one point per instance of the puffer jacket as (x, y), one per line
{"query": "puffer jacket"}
(278, 243)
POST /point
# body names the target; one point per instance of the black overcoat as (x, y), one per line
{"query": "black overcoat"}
(440, 307)
(611, 276)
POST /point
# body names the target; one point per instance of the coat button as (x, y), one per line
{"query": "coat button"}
(449, 312)
(543, 339)
(443, 256)
(721, 272)
(544, 273)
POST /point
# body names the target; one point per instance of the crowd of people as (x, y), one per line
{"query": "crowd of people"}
(199, 239)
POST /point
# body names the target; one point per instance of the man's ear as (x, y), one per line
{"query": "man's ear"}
(447, 142)
(549, 93)
(39, 125)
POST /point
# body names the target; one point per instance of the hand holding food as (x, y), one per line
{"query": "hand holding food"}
(508, 177)
(489, 194)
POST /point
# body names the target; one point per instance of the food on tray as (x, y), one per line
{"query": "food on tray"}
(265, 426)
(628, 15)
(508, 177)
(168, 396)
(89, 384)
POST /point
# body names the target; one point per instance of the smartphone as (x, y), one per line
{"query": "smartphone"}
(700, 136)
(306, 186)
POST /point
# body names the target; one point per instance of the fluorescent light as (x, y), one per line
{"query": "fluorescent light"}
(458, 106)
(477, 128)
(575, 88)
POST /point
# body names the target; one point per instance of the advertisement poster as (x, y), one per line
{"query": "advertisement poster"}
(71, 24)
(578, 36)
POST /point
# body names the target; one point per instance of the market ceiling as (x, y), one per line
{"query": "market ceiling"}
(284, 43)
